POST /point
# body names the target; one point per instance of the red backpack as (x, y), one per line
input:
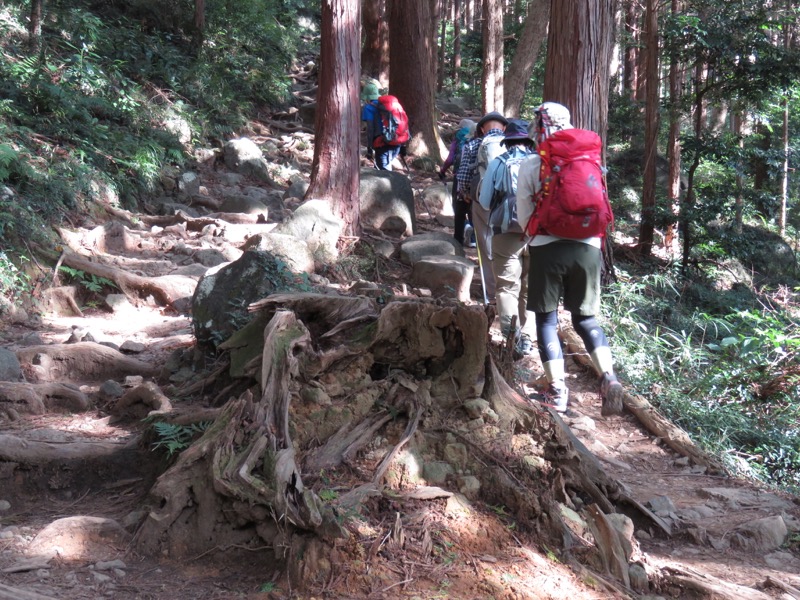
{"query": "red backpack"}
(391, 123)
(573, 202)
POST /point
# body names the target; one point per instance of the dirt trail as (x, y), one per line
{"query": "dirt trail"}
(487, 557)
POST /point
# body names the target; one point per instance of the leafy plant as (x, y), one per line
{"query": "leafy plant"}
(176, 438)
(93, 283)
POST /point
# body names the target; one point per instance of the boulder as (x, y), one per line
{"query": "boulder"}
(244, 156)
(430, 243)
(243, 204)
(447, 276)
(220, 301)
(314, 223)
(297, 189)
(10, 369)
(385, 194)
(294, 252)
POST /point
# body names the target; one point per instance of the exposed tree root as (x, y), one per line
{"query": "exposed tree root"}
(83, 360)
(146, 400)
(653, 421)
(35, 399)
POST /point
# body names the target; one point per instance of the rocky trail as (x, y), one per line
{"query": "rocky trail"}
(84, 375)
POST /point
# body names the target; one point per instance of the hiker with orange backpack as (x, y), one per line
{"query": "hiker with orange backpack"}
(562, 197)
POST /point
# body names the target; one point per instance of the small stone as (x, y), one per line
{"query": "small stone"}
(661, 504)
(4, 505)
(131, 347)
(109, 564)
(101, 577)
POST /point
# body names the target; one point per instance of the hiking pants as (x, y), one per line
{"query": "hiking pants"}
(384, 157)
(483, 238)
(460, 212)
(510, 263)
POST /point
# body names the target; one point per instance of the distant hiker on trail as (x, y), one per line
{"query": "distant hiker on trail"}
(387, 127)
(566, 257)
(464, 133)
(369, 96)
(475, 158)
(510, 259)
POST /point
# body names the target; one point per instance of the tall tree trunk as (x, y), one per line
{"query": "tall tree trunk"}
(442, 17)
(673, 143)
(737, 123)
(35, 25)
(579, 44)
(652, 83)
(456, 75)
(687, 205)
(413, 71)
(334, 171)
(493, 56)
(631, 60)
(519, 73)
(785, 168)
(199, 24)
(375, 52)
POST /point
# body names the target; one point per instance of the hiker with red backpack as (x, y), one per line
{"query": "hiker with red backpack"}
(562, 197)
(387, 127)
(509, 244)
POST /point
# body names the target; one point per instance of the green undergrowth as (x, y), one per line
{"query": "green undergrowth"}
(725, 371)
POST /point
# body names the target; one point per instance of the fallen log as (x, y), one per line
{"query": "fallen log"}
(672, 435)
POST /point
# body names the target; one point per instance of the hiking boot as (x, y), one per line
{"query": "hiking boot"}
(469, 236)
(611, 393)
(556, 398)
(523, 347)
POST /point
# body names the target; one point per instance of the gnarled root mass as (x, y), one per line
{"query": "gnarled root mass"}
(356, 404)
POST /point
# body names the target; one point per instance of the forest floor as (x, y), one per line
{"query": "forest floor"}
(486, 557)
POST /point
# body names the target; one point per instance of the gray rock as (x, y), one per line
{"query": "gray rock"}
(470, 486)
(131, 347)
(412, 250)
(476, 408)
(294, 252)
(231, 179)
(297, 189)
(108, 565)
(661, 504)
(314, 223)
(110, 390)
(761, 535)
(244, 156)
(245, 205)
(436, 472)
(10, 369)
(4, 505)
(638, 577)
(446, 276)
(383, 194)
(118, 302)
(219, 304)
(188, 184)
(209, 257)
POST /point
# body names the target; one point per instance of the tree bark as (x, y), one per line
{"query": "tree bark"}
(199, 24)
(35, 25)
(375, 52)
(413, 72)
(631, 59)
(334, 171)
(652, 84)
(534, 32)
(673, 145)
(579, 44)
(492, 83)
(456, 73)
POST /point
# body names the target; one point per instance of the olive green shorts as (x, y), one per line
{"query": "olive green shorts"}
(565, 269)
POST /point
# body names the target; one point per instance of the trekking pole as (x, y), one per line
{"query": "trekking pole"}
(405, 164)
(480, 268)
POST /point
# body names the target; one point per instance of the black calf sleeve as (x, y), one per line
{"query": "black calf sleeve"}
(590, 331)
(547, 336)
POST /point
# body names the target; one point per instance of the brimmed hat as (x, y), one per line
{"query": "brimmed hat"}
(370, 92)
(516, 129)
(550, 117)
(492, 116)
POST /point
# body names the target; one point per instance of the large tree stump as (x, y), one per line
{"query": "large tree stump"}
(349, 396)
